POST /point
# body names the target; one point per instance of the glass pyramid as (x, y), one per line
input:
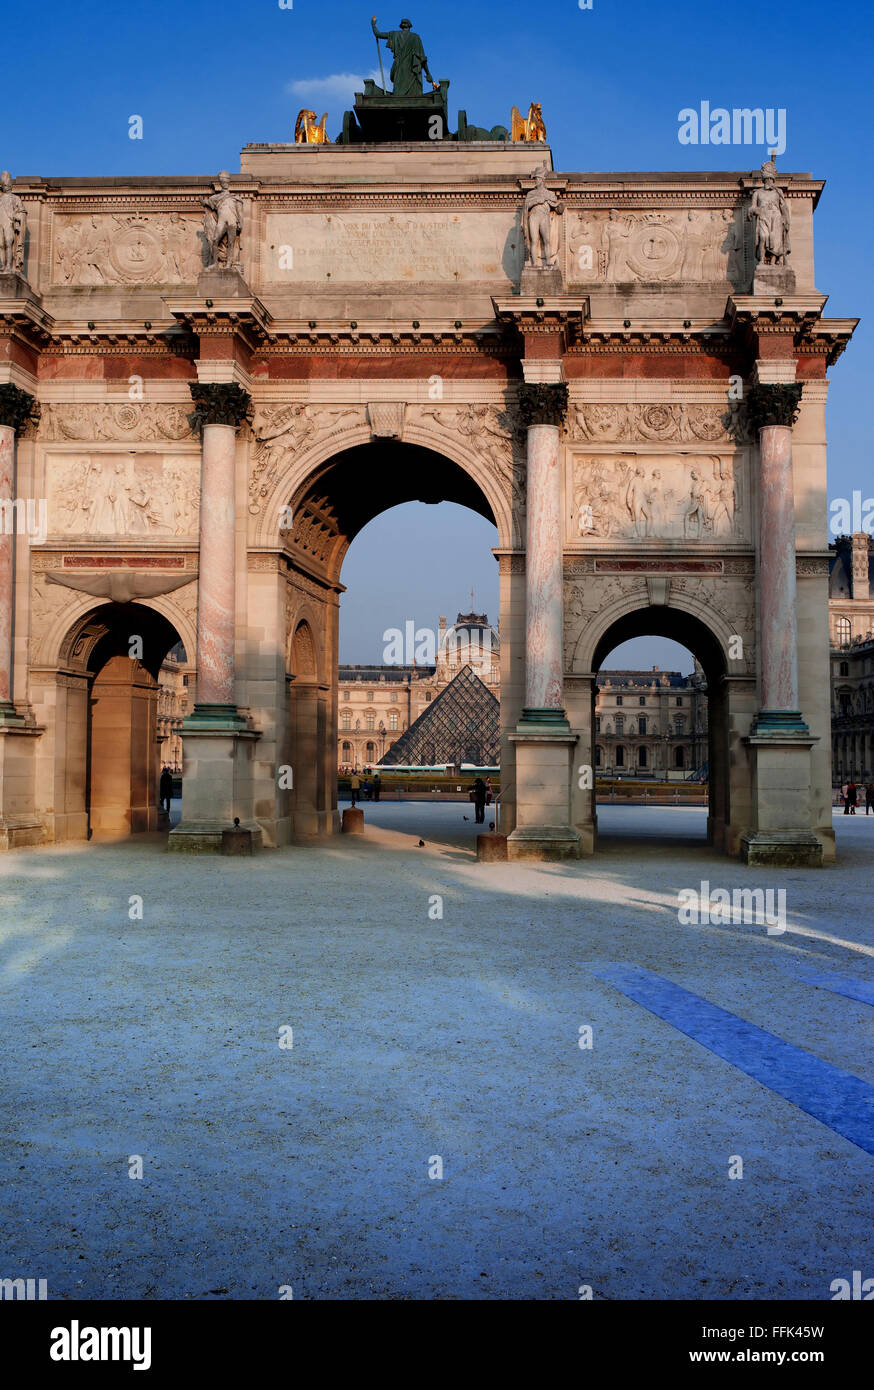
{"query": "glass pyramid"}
(460, 726)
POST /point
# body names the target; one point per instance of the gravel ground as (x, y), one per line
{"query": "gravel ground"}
(416, 1038)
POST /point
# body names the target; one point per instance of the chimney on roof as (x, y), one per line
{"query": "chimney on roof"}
(861, 585)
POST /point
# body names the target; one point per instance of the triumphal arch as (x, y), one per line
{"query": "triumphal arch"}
(208, 386)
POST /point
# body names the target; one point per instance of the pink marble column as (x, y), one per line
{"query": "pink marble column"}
(543, 628)
(779, 623)
(216, 584)
(7, 544)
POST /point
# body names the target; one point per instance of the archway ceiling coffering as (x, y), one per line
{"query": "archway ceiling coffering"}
(106, 631)
(662, 621)
(360, 483)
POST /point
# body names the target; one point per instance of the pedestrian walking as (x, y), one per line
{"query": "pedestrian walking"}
(869, 798)
(852, 797)
(354, 788)
(165, 789)
(377, 785)
(479, 800)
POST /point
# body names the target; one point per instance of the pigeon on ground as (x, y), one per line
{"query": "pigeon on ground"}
(467, 818)
(491, 825)
(421, 844)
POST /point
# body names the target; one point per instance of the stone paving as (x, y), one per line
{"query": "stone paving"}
(418, 1038)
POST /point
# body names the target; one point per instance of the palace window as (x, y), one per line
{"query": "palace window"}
(428, 694)
(679, 724)
(597, 723)
(845, 668)
(619, 699)
(641, 725)
(680, 756)
(845, 630)
(393, 720)
(394, 697)
(620, 757)
(620, 724)
(370, 694)
(641, 757)
(371, 718)
(597, 756)
(347, 751)
(345, 720)
(371, 752)
(642, 700)
(680, 701)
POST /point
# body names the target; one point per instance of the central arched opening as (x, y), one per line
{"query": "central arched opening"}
(660, 732)
(399, 687)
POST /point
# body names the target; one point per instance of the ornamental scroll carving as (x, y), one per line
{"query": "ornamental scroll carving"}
(602, 423)
(283, 433)
(490, 432)
(127, 421)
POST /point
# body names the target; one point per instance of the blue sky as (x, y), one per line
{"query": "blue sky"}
(209, 77)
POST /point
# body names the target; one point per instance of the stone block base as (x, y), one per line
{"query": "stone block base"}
(790, 850)
(353, 821)
(238, 841)
(774, 279)
(21, 836)
(545, 842)
(541, 280)
(205, 838)
(491, 849)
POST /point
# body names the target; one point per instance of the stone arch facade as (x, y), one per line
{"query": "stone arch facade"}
(598, 423)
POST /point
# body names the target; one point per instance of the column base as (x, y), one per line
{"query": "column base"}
(779, 721)
(784, 849)
(9, 716)
(214, 719)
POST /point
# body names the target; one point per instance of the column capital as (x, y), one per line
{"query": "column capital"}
(773, 404)
(543, 403)
(218, 403)
(16, 407)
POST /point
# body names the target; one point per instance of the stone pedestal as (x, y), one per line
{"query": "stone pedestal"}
(543, 739)
(216, 786)
(353, 821)
(773, 279)
(541, 281)
(19, 825)
(491, 849)
(227, 283)
(781, 803)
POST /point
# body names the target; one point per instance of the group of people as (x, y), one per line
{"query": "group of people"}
(481, 796)
(850, 797)
(366, 789)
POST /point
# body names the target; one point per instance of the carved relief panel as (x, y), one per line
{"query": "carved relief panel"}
(115, 249)
(658, 496)
(123, 495)
(700, 244)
